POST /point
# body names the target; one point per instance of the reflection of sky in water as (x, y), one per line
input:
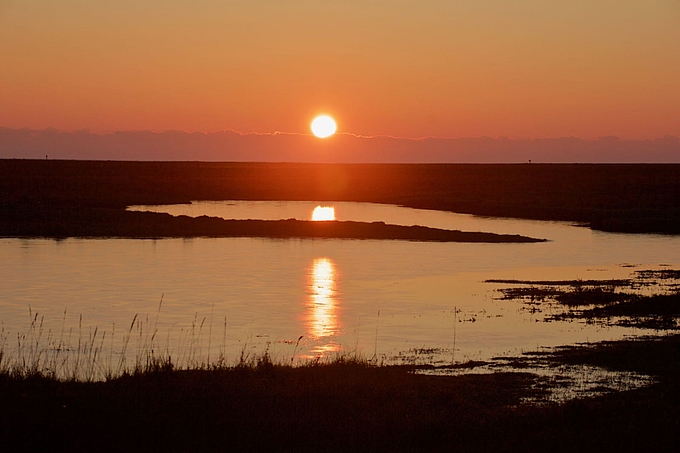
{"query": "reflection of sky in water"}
(250, 294)
(568, 246)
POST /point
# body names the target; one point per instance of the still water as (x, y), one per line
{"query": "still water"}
(196, 299)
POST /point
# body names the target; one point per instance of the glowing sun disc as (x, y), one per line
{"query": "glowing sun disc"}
(323, 213)
(323, 126)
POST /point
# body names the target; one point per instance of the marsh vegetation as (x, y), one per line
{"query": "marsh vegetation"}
(84, 388)
(346, 404)
(649, 299)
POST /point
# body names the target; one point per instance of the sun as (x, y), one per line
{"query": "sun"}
(323, 126)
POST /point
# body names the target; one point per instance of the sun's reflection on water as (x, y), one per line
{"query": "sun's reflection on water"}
(322, 321)
(323, 213)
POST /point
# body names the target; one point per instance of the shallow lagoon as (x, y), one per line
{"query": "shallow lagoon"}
(397, 300)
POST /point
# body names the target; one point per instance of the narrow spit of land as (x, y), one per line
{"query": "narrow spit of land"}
(106, 223)
(636, 198)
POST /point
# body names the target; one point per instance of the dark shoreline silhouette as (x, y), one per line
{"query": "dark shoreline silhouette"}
(633, 198)
(107, 223)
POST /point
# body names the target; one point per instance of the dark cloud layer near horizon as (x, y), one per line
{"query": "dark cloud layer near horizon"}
(229, 146)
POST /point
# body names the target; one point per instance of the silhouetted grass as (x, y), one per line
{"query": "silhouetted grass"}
(347, 404)
(257, 403)
(66, 391)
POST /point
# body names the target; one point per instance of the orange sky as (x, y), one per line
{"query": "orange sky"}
(524, 68)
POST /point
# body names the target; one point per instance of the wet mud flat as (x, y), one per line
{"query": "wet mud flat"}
(636, 198)
(647, 299)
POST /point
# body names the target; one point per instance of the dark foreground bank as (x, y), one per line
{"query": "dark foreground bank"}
(637, 198)
(346, 406)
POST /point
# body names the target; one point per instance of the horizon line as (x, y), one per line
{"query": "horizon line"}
(342, 133)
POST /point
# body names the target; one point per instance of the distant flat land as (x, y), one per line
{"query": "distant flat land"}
(635, 198)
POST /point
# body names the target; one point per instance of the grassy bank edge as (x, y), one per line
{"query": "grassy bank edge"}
(348, 404)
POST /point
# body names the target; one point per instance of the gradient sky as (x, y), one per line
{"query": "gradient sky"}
(446, 68)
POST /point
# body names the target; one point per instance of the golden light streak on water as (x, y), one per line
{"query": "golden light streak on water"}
(322, 312)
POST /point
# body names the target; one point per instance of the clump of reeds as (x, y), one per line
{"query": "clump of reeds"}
(92, 354)
(40, 353)
(88, 354)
